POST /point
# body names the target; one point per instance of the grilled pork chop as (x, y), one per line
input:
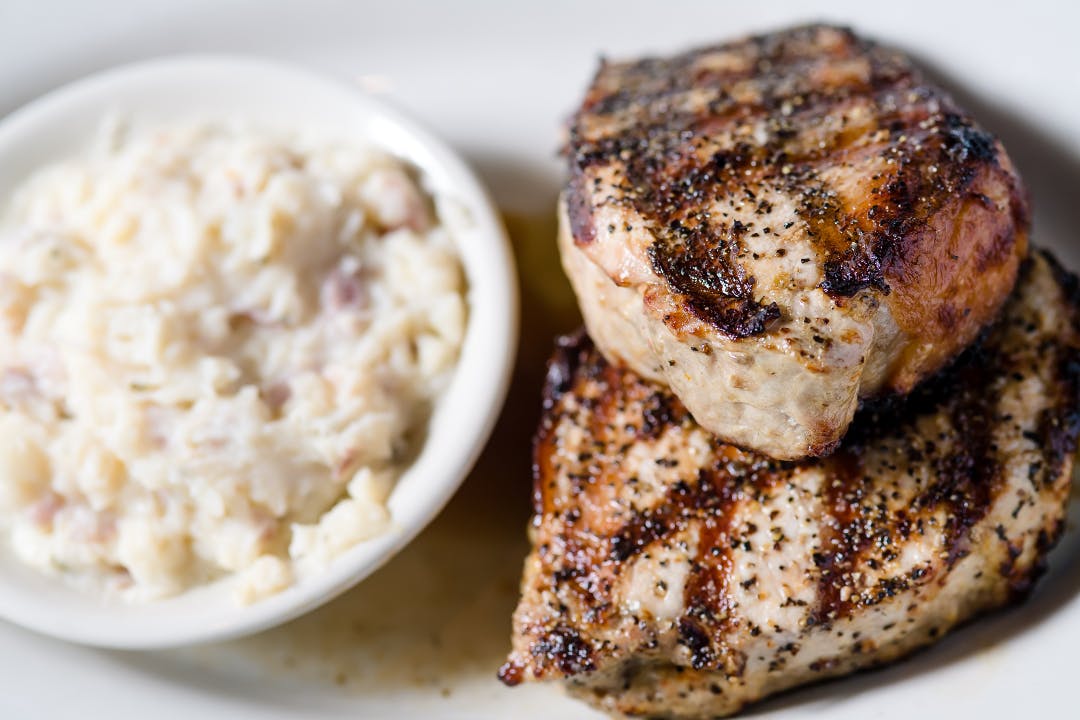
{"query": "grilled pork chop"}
(673, 575)
(780, 226)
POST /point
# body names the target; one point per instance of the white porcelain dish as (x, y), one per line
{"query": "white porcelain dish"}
(278, 96)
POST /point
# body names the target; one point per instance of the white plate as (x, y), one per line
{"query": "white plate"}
(423, 636)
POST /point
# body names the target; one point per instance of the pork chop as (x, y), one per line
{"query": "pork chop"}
(674, 575)
(780, 226)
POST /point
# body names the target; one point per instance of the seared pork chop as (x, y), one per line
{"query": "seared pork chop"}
(780, 226)
(674, 575)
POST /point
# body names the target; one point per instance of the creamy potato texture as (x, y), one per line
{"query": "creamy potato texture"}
(218, 346)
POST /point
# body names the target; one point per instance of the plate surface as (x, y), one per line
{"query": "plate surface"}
(422, 637)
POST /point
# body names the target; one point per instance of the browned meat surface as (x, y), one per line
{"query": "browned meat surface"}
(780, 226)
(675, 575)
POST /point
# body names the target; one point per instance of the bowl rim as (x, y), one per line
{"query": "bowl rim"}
(462, 421)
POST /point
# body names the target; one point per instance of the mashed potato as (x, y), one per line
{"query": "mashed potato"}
(218, 346)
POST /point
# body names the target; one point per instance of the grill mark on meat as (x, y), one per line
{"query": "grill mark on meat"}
(842, 540)
(700, 262)
(671, 169)
(658, 523)
(969, 476)
(706, 597)
(697, 255)
(562, 371)
(860, 532)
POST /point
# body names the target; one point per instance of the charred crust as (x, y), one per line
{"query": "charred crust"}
(562, 648)
(853, 272)
(701, 264)
(669, 171)
(1021, 583)
(963, 142)
(579, 212)
(938, 155)
(1059, 425)
(697, 642)
(571, 351)
(843, 542)
(658, 413)
(511, 673)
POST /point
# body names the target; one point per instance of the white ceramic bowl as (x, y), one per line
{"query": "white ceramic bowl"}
(59, 124)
